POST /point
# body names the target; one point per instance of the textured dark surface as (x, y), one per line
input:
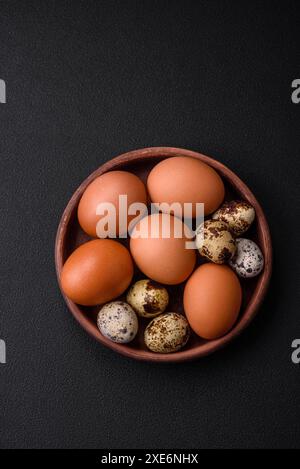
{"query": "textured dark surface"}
(85, 82)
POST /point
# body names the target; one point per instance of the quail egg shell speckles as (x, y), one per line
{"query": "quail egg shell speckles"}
(167, 333)
(215, 242)
(238, 214)
(248, 260)
(118, 322)
(148, 298)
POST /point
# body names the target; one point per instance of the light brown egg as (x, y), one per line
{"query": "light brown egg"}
(97, 272)
(106, 189)
(164, 259)
(185, 180)
(212, 300)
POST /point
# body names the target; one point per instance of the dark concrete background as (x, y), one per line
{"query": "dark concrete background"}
(87, 81)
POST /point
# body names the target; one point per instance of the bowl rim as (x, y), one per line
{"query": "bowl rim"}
(265, 243)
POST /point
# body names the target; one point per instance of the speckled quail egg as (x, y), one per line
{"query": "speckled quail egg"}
(215, 242)
(238, 214)
(167, 333)
(148, 298)
(118, 322)
(248, 260)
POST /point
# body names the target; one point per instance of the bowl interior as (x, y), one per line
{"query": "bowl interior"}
(70, 236)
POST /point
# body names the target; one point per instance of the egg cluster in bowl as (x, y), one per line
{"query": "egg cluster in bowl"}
(152, 292)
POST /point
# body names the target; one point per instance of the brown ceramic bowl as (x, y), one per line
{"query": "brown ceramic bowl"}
(140, 162)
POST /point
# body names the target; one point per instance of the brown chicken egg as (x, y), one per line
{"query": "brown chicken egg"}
(97, 272)
(106, 190)
(158, 246)
(212, 300)
(185, 180)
